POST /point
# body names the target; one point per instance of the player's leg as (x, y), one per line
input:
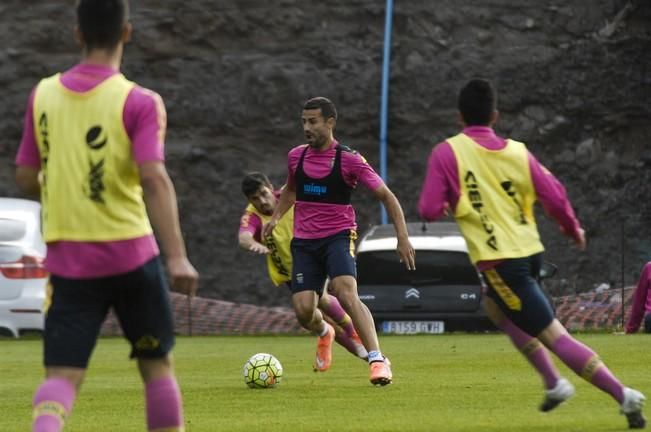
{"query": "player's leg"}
(142, 305)
(514, 287)
(647, 323)
(75, 312)
(308, 278)
(340, 261)
(164, 404)
(557, 389)
(345, 334)
(587, 364)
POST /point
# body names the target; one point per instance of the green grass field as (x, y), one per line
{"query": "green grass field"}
(453, 382)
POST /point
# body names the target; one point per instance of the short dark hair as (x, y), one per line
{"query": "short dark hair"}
(477, 101)
(252, 181)
(326, 106)
(101, 22)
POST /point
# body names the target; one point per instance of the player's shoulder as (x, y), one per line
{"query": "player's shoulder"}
(515, 143)
(350, 155)
(347, 149)
(297, 151)
(145, 95)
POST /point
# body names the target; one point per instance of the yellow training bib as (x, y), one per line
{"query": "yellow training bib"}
(279, 260)
(90, 187)
(495, 208)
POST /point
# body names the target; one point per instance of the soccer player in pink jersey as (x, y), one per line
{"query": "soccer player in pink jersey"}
(92, 148)
(490, 185)
(321, 177)
(262, 201)
(641, 306)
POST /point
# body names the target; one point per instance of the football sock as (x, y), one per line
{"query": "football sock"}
(374, 356)
(334, 310)
(52, 403)
(345, 341)
(344, 329)
(164, 408)
(325, 329)
(587, 364)
(533, 350)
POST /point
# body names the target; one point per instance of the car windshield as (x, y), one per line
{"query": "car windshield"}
(432, 268)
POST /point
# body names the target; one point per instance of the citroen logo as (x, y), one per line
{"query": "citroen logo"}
(412, 292)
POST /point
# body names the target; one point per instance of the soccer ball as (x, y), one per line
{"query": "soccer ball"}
(262, 370)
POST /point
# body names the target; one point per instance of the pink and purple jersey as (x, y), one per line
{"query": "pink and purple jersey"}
(641, 300)
(144, 120)
(313, 220)
(441, 188)
(251, 223)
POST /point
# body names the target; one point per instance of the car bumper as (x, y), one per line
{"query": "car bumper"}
(463, 321)
(19, 317)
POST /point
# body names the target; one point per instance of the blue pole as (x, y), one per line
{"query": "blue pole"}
(384, 101)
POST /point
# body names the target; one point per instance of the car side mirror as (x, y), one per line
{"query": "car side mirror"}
(547, 270)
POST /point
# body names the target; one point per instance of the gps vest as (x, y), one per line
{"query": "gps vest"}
(331, 189)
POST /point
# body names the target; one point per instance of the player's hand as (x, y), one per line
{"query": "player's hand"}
(259, 248)
(407, 254)
(183, 276)
(268, 228)
(580, 239)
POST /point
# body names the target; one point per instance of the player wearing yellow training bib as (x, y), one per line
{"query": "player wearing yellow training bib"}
(490, 184)
(92, 149)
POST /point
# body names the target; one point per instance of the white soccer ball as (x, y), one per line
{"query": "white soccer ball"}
(262, 370)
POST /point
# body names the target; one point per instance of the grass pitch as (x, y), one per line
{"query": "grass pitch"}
(452, 382)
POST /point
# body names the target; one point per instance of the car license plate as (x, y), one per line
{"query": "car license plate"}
(413, 327)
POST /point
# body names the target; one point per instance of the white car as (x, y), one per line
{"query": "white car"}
(22, 276)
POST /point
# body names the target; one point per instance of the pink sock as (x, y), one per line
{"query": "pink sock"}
(52, 403)
(334, 310)
(533, 350)
(164, 409)
(345, 341)
(585, 363)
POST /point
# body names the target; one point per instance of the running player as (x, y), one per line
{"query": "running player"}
(490, 184)
(321, 177)
(92, 147)
(262, 201)
(641, 305)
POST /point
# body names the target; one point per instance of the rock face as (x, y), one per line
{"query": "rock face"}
(574, 80)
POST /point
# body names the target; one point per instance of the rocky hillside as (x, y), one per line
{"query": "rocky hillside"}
(574, 79)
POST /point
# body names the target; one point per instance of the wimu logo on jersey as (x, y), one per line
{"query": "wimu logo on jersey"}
(314, 189)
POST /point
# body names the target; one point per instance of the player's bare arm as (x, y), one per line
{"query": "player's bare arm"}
(247, 242)
(160, 199)
(405, 250)
(285, 202)
(27, 180)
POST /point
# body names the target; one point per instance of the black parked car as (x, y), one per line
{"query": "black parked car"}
(443, 293)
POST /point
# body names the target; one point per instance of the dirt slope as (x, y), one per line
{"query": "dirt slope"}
(574, 78)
